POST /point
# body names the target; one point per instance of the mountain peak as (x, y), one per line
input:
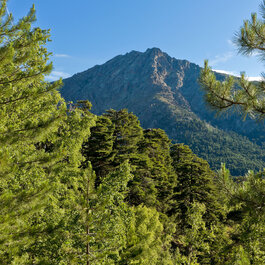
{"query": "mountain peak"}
(150, 52)
(153, 50)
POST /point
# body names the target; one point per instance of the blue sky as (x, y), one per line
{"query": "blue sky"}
(89, 32)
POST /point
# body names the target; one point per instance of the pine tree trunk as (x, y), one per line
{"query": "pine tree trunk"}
(87, 225)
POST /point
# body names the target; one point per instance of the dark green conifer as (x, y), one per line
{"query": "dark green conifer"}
(195, 183)
(98, 149)
(127, 133)
(154, 174)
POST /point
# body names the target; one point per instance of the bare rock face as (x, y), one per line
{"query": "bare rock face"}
(164, 93)
(133, 81)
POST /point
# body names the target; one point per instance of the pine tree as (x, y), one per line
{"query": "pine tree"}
(145, 242)
(127, 134)
(241, 94)
(243, 201)
(195, 184)
(40, 143)
(42, 232)
(30, 112)
(196, 189)
(247, 210)
(99, 217)
(195, 238)
(113, 140)
(154, 175)
(98, 148)
(247, 217)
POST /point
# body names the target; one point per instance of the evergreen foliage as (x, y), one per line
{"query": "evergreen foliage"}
(126, 134)
(245, 200)
(145, 241)
(40, 143)
(156, 146)
(31, 111)
(99, 147)
(195, 184)
(118, 136)
(248, 201)
(99, 219)
(241, 94)
(80, 189)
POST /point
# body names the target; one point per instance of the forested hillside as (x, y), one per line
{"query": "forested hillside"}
(80, 188)
(165, 93)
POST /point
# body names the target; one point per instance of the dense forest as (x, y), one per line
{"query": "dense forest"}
(77, 188)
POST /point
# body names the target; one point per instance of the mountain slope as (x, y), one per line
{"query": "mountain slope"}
(163, 92)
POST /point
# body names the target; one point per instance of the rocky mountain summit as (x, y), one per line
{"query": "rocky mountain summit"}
(164, 93)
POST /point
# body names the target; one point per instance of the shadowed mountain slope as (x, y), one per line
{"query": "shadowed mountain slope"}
(164, 93)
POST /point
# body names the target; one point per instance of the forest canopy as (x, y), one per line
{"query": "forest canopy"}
(76, 188)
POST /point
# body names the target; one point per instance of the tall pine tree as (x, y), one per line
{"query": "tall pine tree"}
(40, 143)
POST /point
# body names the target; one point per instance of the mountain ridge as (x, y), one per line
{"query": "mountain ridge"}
(164, 93)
